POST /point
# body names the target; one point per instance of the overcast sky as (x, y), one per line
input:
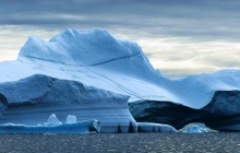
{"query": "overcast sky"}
(180, 37)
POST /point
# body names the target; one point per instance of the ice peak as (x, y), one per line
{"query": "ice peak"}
(98, 37)
(76, 47)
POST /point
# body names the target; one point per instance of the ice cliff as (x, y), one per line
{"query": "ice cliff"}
(94, 75)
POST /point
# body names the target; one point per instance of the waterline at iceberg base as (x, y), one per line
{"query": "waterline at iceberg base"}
(95, 76)
(42, 95)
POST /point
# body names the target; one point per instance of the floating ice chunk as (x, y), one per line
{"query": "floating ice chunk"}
(196, 128)
(71, 119)
(52, 121)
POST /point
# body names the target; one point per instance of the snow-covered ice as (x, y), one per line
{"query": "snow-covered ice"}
(81, 127)
(97, 59)
(53, 125)
(75, 67)
(52, 121)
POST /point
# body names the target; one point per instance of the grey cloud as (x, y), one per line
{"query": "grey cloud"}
(201, 19)
(221, 60)
(170, 8)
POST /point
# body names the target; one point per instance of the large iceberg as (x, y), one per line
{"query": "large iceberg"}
(93, 75)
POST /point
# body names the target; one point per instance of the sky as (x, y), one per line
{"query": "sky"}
(180, 37)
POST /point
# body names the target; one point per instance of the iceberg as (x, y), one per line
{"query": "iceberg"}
(93, 75)
(71, 119)
(196, 128)
(31, 100)
(52, 121)
(222, 113)
(82, 127)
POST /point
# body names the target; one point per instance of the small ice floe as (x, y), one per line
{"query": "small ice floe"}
(196, 128)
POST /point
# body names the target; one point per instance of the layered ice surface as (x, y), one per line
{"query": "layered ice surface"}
(93, 75)
(31, 100)
(97, 59)
(53, 125)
